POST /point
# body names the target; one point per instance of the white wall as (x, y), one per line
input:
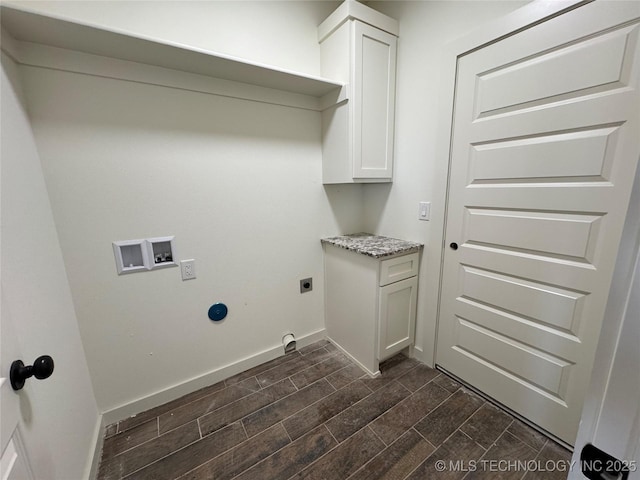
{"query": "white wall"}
(425, 27)
(59, 420)
(237, 182)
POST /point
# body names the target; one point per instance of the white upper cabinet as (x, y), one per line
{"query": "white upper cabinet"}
(358, 47)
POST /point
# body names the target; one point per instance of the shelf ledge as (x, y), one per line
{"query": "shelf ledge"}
(25, 25)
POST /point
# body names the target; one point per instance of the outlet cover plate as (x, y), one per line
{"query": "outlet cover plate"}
(188, 269)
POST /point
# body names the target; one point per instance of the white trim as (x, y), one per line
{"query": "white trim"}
(353, 359)
(352, 10)
(93, 462)
(523, 18)
(417, 353)
(176, 391)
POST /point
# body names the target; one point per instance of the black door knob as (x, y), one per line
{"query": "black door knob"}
(42, 368)
(453, 245)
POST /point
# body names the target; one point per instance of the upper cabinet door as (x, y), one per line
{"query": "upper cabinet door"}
(358, 47)
(373, 93)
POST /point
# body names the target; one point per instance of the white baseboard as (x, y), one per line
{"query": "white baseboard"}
(98, 441)
(418, 354)
(176, 391)
(354, 360)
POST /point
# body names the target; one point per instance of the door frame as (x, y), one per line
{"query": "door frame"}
(526, 17)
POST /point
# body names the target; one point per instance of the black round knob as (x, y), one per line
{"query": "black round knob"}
(306, 284)
(43, 367)
(453, 245)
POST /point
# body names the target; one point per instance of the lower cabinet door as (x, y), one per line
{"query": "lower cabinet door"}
(397, 316)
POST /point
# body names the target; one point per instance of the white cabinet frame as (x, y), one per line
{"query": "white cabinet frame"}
(367, 316)
(358, 46)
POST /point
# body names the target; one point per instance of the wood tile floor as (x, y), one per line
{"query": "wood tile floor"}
(313, 414)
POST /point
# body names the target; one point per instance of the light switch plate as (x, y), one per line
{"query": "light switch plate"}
(424, 211)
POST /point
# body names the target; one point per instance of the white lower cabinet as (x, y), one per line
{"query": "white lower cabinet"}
(370, 304)
(396, 316)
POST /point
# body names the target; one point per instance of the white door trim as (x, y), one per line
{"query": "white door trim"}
(523, 18)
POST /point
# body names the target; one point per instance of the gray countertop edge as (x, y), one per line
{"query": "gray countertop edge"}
(375, 246)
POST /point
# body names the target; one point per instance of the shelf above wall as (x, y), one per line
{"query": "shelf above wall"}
(43, 30)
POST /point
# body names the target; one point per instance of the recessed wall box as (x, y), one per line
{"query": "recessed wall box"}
(146, 254)
(131, 256)
(161, 252)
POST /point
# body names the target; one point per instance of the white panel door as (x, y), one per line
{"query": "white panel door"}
(544, 149)
(13, 463)
(13, 459)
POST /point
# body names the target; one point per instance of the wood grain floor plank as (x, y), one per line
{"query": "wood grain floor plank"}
(314, 414)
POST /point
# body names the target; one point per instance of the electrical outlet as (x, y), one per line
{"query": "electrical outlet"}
(306, 285)
(188, 269)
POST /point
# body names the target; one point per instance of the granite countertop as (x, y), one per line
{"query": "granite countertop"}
(374, 246)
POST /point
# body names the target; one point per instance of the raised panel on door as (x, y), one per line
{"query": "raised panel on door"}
(396, 326)
(13, 462)
(544, 149)
(373, 102)
(514, 86)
